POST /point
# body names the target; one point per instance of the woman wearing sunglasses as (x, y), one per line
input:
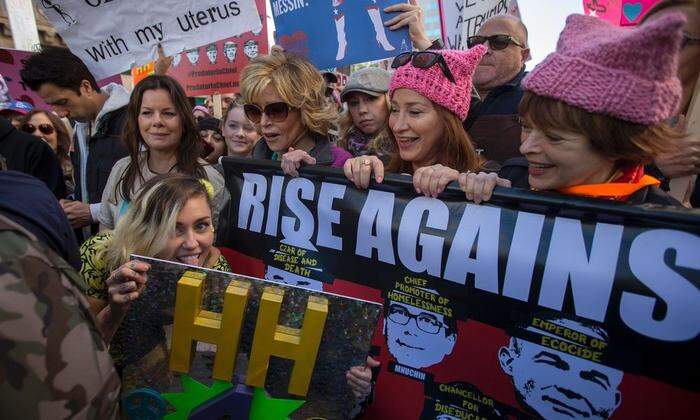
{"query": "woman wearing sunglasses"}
(161, 136)
(430, 94)
(284, 98)
(48, 127)
(594, 113)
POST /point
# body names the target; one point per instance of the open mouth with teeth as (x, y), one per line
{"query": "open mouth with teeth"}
(192, 259)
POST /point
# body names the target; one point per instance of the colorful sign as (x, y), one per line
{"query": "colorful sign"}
(197, 335)
(619, 12)
(531, 305)
(129, 31)
(333, 33)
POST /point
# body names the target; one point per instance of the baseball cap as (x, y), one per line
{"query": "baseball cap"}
(17, 106)
(372, 80)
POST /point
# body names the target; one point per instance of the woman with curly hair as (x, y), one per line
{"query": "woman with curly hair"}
(284, 98)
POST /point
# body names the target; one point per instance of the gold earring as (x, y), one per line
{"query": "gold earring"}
(212, 229)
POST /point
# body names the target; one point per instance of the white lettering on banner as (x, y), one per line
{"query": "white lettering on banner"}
(523, 255)
(681, 298)
(280, 7)
(327, 216)
(473, 251)
(567, 262)
(376, 216)
(480, 225)
(129, 30)
(299, 237)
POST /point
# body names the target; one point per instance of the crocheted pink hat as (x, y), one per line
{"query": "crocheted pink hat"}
(433, 84)
(626, 73)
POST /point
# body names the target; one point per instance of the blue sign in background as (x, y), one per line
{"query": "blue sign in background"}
(332, 33)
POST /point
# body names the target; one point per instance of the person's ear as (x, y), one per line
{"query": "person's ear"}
(505, 358)
(525, 54)
(86, 88)
(451, 340)
(618, 399)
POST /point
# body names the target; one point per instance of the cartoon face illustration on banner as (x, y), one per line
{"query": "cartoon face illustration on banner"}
(555, 384)
(417, 337)
(176, 59)
(193, 56)
(212, 53)
(250, 48)
(281, 276)
(230, 50)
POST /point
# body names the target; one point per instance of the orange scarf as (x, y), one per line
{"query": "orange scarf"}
(619, 189)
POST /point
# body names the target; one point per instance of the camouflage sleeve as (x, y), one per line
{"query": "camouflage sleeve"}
(222, 265)
(53, 362)
(94, 270)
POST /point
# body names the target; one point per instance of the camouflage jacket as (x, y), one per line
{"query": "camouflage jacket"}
(53, 361)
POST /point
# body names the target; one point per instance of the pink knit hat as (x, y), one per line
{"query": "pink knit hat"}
(626, 73)
(433, 84)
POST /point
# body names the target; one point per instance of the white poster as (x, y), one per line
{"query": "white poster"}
(111, 36)
(463, 18)
(22, 24)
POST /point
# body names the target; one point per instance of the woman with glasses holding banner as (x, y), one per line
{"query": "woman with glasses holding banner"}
(161, 136)
(284, 98)
(595, 111)
(430, 93)
(48, 127)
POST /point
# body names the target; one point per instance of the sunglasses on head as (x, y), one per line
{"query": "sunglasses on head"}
(45, 129)
(423, 60)
(496, 42)
(277, 112)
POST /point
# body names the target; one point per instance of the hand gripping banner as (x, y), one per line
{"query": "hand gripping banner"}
(532, 305)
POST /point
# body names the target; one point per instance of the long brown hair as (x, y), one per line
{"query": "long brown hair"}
(62, 137)
(188, 148)
(456, 150)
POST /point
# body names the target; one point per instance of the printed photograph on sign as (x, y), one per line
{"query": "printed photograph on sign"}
(197, 332)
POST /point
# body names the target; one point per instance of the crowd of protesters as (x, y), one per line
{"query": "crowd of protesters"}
(139, 172)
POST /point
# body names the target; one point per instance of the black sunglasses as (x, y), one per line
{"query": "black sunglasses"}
(423, 60)
(496, 42)
(45, 129)
(276, 111)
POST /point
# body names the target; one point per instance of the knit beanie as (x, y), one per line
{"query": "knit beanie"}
(626, 73)
(433, 84)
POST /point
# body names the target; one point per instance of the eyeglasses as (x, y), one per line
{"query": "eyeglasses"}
(277, 112)
(496, 42)
(423, 60)
(45, 129)
(425, 322)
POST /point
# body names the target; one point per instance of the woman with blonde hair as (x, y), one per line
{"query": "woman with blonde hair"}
(430, 93)
(170, 219)
(363, 126)
(284, 98)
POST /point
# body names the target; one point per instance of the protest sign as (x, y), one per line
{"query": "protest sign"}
(530, 305)
(11, 64)
(112, 36)
(195, 333)
(463, 18)
(619, 12)
(333, 33)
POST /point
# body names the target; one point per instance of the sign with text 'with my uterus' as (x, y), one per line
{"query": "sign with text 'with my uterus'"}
(111, 36)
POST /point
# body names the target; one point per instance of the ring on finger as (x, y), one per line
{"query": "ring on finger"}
(132, 265)
(366, 162)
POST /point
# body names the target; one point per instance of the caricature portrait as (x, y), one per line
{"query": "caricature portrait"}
(555, 384)
(212, 53)
(193, 56)
(230, 50)
(250, 48)
(417, 337)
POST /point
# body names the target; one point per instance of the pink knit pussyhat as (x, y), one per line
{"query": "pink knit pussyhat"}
(433, 84)
(626, 73)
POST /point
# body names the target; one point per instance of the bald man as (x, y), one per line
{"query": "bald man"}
(492, 122)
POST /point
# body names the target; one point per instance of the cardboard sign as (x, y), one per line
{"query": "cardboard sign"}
(619, 12)
(531, 305)
(333, 33)
(195, 333)
(463, 18)
(112, 36)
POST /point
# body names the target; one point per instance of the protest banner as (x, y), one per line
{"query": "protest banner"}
(334, 33)
(112, 36)
(195, 335)
(619, 12)
(11, 64)
(532, 305)
(463, 18)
